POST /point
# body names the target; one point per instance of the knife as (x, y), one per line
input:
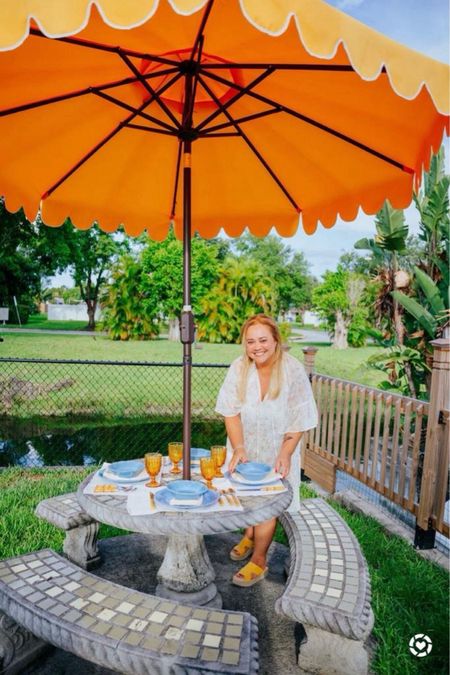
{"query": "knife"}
(151, 497)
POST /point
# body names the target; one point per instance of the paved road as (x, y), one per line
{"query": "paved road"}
(309, 335)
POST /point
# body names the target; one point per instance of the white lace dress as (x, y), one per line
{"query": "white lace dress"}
(264, 422)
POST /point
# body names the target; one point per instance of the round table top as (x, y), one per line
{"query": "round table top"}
(112, 510)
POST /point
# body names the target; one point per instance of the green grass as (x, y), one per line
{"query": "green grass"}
(409, 594)
(41, 321)
(119, 391)
(20, 492)
(346, 364)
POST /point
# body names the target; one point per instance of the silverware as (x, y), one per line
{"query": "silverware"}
(231, 495)
(151, 498)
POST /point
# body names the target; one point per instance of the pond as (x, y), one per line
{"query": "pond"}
(34, 445)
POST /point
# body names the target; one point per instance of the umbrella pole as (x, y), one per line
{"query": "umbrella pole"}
(187, 319)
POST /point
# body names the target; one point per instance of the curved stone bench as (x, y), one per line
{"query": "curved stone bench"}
(80, 542)
(117, 627)
(328, 590)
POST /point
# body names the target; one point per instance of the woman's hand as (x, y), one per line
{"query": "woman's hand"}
(239, 455)
(283, 463)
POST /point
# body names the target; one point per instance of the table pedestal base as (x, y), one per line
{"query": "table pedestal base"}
(186, 573)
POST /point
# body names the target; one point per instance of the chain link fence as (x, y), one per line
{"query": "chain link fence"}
(67, 412)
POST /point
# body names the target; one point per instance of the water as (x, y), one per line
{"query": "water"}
(34, 445)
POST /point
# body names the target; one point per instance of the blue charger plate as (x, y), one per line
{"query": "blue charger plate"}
(164, 496)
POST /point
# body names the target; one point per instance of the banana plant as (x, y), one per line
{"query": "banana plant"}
(431, 308)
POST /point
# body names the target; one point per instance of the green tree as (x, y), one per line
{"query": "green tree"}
(162, 282)
(92, 254)
(339, 301)
(388, 244)
(288, 270)
(432, 203)
(126, 314)
(28, 252)
(425, 298)
(243, 289)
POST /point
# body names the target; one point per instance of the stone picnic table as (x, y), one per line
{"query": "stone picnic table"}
(186, 574)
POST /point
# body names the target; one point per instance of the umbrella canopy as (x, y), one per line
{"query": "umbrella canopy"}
(321, 114)
(291, 110)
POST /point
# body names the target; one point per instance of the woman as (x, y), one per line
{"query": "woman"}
(267, 402)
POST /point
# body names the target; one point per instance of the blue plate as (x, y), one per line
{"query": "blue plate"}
(186, 489)
(164, 496)
(247, 483)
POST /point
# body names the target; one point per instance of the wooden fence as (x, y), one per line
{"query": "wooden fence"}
(396, 445)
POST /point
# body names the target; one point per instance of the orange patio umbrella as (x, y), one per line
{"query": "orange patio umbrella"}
(285, 112)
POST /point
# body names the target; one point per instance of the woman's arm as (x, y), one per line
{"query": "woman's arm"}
(235, 434)
(283, 460)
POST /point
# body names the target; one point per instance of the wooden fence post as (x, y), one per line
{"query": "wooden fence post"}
(436, 456)
(310, 357)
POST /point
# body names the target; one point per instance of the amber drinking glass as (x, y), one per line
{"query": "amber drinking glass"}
(153, 461)
(219, 455)
(208, 470)
(175, 456)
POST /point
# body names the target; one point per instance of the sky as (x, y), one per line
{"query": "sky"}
(422, 25)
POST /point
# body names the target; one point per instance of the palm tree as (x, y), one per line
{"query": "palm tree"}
(388, 244)
(243, 289)
(125, 314)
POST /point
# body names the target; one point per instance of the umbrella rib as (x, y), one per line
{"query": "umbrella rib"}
(89, 44)
(104, 140)
(130, 108)
(250, 144)
(177, 179)
(221, 134)
(315, 123)
(142, 127)
(187, 119)
(79, 92)
(148, 87)
(199, 37)
(240, 120)
(242, 91)
(282, 66)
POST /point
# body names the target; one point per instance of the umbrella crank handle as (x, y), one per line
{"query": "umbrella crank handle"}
(187, 328)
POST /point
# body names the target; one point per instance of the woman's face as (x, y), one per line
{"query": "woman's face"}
(260, 344)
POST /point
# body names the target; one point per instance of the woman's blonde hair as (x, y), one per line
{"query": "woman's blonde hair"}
(277, 373)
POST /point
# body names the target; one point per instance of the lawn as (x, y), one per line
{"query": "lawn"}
(348, 364)
(409, 594)
(30, 390)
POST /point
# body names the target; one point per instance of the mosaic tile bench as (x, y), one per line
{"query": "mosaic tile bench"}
(80, 543)
(117, 627)
(327, 591)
